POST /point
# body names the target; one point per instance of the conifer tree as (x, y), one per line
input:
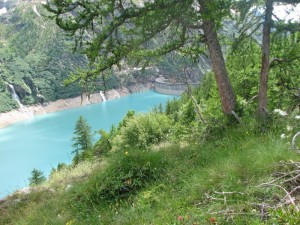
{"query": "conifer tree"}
(37, 177)
(82, 140)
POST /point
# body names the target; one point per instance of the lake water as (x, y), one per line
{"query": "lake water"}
(46, 140)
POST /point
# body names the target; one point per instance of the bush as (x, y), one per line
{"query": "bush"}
(104, 144)
(141, 131)
(128, 173)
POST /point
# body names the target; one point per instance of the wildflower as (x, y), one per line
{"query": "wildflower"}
(126, 153)
(289, 128)
(282, 136)
(280, 112)
(297, 117)
(180, 218)
(212, 220)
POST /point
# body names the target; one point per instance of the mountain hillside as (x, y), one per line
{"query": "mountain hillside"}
(35, 56)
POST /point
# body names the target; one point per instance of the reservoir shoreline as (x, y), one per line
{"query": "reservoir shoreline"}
(17, 115)
(44, 141)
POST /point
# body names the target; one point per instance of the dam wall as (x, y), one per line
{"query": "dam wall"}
(163, 86)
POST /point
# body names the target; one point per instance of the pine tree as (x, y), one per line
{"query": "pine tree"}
(82, 140)
(37, 177)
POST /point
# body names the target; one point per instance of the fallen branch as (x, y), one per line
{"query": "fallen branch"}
(229, 193)
(252, 99)
(291, 192)
(211, 198)
(287, 195)
(291, 179)
(228, 213)
(224, 193)
(278, 178)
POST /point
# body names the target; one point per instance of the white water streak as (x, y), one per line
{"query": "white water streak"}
(35, 11)
(103, 96)
(15, 96)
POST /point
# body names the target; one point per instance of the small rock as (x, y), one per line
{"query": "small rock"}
(24, 191)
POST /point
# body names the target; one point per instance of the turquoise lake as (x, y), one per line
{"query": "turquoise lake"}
(46, 140)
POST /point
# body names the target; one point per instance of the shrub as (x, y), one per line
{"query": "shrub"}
(141, 131)
(104, 144)
(128, 173)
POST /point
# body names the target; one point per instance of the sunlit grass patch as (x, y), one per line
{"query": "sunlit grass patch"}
(70, 174)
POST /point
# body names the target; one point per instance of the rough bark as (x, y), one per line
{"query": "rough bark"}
(226, 93)
(265, 60)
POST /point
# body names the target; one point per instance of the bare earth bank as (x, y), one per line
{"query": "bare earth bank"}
(27, 112)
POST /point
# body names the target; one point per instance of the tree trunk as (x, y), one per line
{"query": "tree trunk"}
(228, 99)
(265, 60)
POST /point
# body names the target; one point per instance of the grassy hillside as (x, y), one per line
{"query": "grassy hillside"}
(213, 181)
(185, 163)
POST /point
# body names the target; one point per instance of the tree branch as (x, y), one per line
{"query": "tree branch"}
(276, 61)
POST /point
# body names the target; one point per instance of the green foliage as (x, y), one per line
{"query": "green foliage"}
(172, 107)
(158, 109)
(128, 173)
(153, 32)
(35, 58)
(6, 102)
(284, 82)
(244, 68)
(142, 131)
(185, 179)
(164, 185)
(287, 215)
(60, 166)
(82, 141)
(104, 144)
(36, 178)
(243, 64)
(129, 115)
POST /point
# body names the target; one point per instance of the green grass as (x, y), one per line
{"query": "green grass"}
(164, 185)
